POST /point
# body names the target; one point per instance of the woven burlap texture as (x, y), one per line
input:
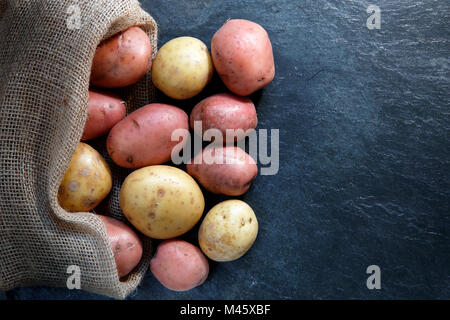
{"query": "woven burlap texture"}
(46, 50)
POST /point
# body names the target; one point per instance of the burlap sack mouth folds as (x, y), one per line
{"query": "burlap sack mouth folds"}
(45, 68)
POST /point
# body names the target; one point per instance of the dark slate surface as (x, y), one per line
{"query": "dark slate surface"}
(364, 119)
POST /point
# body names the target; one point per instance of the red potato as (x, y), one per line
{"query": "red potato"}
(143, 138)
(104, 111)
(125, 244)
(242, 55)
(224, 170)
(225, 112)
(122, 59)
(179, 265)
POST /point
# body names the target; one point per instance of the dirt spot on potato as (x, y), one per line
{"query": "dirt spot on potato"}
(73, 186)
(161, 192)
(130, 159)
(149, 227)
(85, 172)
(151, 215)
(135, 124)
(116, 249)
(111, 106)
(226, 239)
(250, 220)
(89, 201)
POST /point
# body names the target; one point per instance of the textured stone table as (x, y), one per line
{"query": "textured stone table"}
(364, 179)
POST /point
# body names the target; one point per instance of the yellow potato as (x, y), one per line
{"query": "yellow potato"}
(86, 182)
(228, 231)
(182, 68)
(161, 201)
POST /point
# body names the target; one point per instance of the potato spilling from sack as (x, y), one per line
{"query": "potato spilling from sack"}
(122, 59)
(104, 111)
(235, 117)
(179, 265)
(228, 231)
(182, 68)
(224, 170)
(144, 137)
(243, 56)
(86, 182)
(125, 245)
(162, 202)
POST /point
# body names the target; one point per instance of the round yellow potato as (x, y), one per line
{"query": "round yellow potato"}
(86, 182)
(182, 68)
(228, 231)
(161, 201)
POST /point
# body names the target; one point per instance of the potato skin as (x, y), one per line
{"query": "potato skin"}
(243, 56)
(86, 182)
(104, 111)
(225, 111)
(232, 176)
(122, 59)
(144, 137)
(228, 231)
(125, 244)
(179, 265)
(161, 201)
(182, 68)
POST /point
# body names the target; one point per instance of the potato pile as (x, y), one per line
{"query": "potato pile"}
(159, 200)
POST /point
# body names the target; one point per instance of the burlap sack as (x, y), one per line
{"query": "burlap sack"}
(45, 61)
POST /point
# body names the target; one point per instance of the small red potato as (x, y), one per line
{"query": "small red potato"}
(104, 111)
(179, 265)
(125, 244)
(122, 59)
(224, 170)
(224, 112)
(242, 55)
(143, 138)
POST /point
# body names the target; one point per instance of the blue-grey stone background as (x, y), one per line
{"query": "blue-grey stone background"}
(364, 179)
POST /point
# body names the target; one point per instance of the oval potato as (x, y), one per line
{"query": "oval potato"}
(179, 265)
(122, 59)
(104, 111)
(243, 56)
(144, 137)
(182, 68)
(225, 112)
(224, 170)
(228, 231)
(161, 201)
(86, 182)
(125, 245)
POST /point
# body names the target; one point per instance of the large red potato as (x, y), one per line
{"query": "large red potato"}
(179, 265)
(224, 112)
(242, 55)
(122, 59)
(104, 111)
(143, 138)
(224, 170)
(125, 244)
